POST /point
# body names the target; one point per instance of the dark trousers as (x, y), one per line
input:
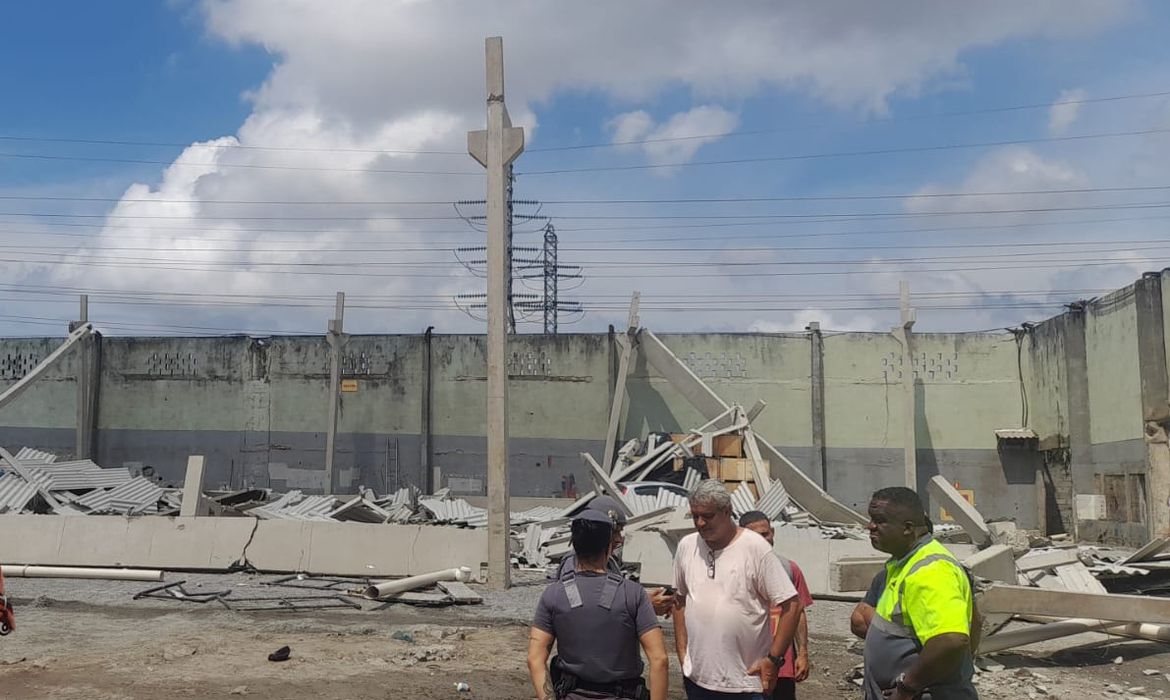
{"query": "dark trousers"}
(696, 692)
(785, 689)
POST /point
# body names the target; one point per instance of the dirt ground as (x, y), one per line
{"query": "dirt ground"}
(91, 640)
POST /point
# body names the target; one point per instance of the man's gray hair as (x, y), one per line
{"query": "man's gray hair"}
(711, 492)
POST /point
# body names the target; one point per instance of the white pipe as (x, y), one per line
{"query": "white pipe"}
(28, 571)
(1065, 628)
(379, 590)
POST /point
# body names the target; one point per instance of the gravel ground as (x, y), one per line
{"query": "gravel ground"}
(90, 639)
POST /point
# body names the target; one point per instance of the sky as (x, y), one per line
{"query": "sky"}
(204, 167)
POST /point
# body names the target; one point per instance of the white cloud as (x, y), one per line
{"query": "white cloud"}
(794, 322)
(362, 76)
(1064, 111)
(679, 138)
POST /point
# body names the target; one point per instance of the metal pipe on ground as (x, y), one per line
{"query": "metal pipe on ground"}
(32, 571)
(380, 590)
(1065, 628)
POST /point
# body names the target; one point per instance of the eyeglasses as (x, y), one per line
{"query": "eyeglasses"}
(710, 564)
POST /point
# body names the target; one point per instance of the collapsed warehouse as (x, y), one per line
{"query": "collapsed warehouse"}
(1042, 452)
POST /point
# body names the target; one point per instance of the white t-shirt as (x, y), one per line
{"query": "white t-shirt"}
(727, 616)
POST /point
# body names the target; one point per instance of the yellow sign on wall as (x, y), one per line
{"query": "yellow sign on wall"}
(967, 494)
(349, 386)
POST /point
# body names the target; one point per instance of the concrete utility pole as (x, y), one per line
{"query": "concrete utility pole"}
(495, 148)
(820, 463)
(336, 340)
(87, 378)
(910, 414)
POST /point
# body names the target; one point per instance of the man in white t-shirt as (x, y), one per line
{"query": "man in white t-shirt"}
(727, 584)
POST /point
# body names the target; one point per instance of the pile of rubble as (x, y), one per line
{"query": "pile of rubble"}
(1067, 589)
(35, 482)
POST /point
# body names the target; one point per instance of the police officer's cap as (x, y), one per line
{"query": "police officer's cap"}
(594, 516)
(607, 505)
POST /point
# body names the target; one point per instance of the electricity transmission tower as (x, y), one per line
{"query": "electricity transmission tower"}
(546, 268)
(527, 264)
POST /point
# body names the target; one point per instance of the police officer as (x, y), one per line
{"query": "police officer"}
(918, 644)
(660, 598)
(608, 506)
(598, 619)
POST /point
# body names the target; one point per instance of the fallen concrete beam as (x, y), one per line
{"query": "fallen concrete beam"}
(192, 487)
(9, 395)
(1065, 628)
(607, 484)
(1034, 561)
(218, 544)
(850, 574)
(996, 563)
(1021, 600)
(963, 512)
(803, 490)
(1152, 549)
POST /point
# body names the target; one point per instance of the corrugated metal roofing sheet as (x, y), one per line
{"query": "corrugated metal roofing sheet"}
(449, 511)
(79, 475)
(1016, 434)
(15, 493)
(742, 499)
(692, 479)
(774, 500)
(294, 505)
(134, 496)
(28, 455)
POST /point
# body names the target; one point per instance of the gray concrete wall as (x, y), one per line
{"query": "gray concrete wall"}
(257, 407)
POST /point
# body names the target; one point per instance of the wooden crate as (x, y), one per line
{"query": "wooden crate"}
(727, 446)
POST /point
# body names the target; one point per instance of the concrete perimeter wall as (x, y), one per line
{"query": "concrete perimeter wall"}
(1091, 383)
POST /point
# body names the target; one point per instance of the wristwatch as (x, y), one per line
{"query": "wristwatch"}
(777, 661)
(901, 684)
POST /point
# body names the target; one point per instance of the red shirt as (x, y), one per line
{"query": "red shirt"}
(788, 670)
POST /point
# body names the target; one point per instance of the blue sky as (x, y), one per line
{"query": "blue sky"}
(305, 95)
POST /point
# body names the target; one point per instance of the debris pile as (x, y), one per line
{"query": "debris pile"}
(1059, 585)
(35, 482)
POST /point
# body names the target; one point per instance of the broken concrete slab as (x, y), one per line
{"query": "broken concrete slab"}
(192, 487)
(996, 563)
(963, 512)
(216, 544)
(1047, 559)
(850, 574)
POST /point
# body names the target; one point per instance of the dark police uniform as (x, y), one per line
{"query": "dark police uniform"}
(597, 620)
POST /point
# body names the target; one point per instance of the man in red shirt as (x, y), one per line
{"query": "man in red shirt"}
(795, 667)
(7, 619)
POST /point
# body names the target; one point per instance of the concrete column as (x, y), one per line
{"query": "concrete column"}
(495, 148)
(426, 447)
(904, 334)
(336, 341)
(820, 464)
(88, 381)
(1155, 400)
(1080, 441)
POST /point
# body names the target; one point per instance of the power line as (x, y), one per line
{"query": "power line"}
(828, 216)
(612, 168)
(847, 154)
(575, 202)
(19, 138)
